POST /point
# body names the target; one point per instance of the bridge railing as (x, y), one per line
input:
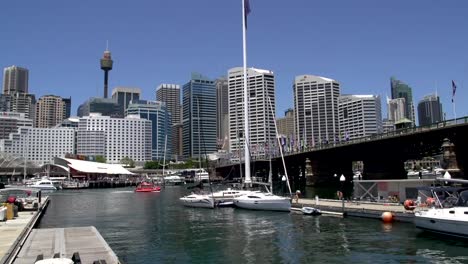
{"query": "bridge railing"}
(321, 146)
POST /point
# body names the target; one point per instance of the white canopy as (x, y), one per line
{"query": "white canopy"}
(96, 167)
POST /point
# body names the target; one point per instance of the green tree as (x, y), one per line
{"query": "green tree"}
(128, 162)
(100, 159)
(152, 165)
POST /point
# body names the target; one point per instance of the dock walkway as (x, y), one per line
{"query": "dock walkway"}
(359, 209)
(12, 232)
(87, 241)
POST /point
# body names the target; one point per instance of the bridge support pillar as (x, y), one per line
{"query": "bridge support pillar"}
(309, 175)
(450, 158)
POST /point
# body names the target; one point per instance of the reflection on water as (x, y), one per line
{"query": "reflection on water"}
(155, 228)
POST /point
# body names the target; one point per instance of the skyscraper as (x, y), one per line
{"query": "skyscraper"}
(19, 103)
(199, 116)
(222, 112)
(67, 102)
(396, 109)
(161, 125)
(50, 111)
(123, 96)
(15, 80)
(261, 108)
(105, 106)
(316, 109)
(360, 116)
(169, 94)
(286, 123)
(429, 110)
(401, 90)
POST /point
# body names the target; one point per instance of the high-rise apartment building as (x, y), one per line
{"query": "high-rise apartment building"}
(429, 110)
(114, 138)
(10, 122)
(316, 109)
(400, 89)
(15, 80)
(396, 109)
(286, 123)
(40, 145)
(161, 125)
(123, 96)
(19, 103)
(261, 109)
(199, 117)
(359, 116)
(169, 94)
(222, 112)
(50, 111)
(67, 102)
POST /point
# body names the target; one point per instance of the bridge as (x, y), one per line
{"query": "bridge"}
(383, 155)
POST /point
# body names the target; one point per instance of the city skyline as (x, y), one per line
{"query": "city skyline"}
(361, 45)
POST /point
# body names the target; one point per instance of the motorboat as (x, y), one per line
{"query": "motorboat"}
(146, 186)
(448, 214)
(44, 184)
(174, 180)
(263, 201)
(198, 200)
(310, 211)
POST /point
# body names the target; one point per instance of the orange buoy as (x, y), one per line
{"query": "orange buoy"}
(387, 217)
(409, 204)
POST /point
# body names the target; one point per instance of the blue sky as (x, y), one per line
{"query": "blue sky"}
(360, 43)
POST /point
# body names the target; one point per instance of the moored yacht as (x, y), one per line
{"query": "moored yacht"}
(198, 200)
(448, 216)
(44, 184)
(263, 201)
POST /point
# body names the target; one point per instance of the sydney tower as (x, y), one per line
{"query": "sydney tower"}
(106, 66)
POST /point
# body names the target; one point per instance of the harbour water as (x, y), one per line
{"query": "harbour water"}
(155, 228)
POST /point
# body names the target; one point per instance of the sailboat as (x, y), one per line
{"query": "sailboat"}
(261, 200)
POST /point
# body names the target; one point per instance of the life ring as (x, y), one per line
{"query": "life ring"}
(409, 204)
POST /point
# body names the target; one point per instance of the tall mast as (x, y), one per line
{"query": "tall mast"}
(248, 180)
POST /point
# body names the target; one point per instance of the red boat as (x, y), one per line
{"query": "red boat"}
(147, 187)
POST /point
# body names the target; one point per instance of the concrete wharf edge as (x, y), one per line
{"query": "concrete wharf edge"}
(19, 241)
(359, 209)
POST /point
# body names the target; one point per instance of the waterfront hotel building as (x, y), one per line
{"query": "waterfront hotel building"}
(161, 124)
(359, 116)
(261, 109)
(316, 110)
(114, 138)
(40, 145)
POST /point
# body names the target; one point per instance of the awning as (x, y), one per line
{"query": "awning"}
(96, 167)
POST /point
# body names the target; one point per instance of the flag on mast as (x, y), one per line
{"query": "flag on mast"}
(246, 11)
(454, 89)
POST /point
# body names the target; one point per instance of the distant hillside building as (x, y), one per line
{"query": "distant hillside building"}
(15, 80)
(430, 110)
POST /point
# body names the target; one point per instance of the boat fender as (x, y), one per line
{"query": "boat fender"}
(430, 201)
(409, 205)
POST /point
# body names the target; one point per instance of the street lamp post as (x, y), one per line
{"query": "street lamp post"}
(342, 181)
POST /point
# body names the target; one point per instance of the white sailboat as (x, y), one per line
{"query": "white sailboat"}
(260, 200)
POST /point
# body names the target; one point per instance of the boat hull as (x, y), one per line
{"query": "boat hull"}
(266, 205)
(202, 202)
(148, 190)
(448, 221)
